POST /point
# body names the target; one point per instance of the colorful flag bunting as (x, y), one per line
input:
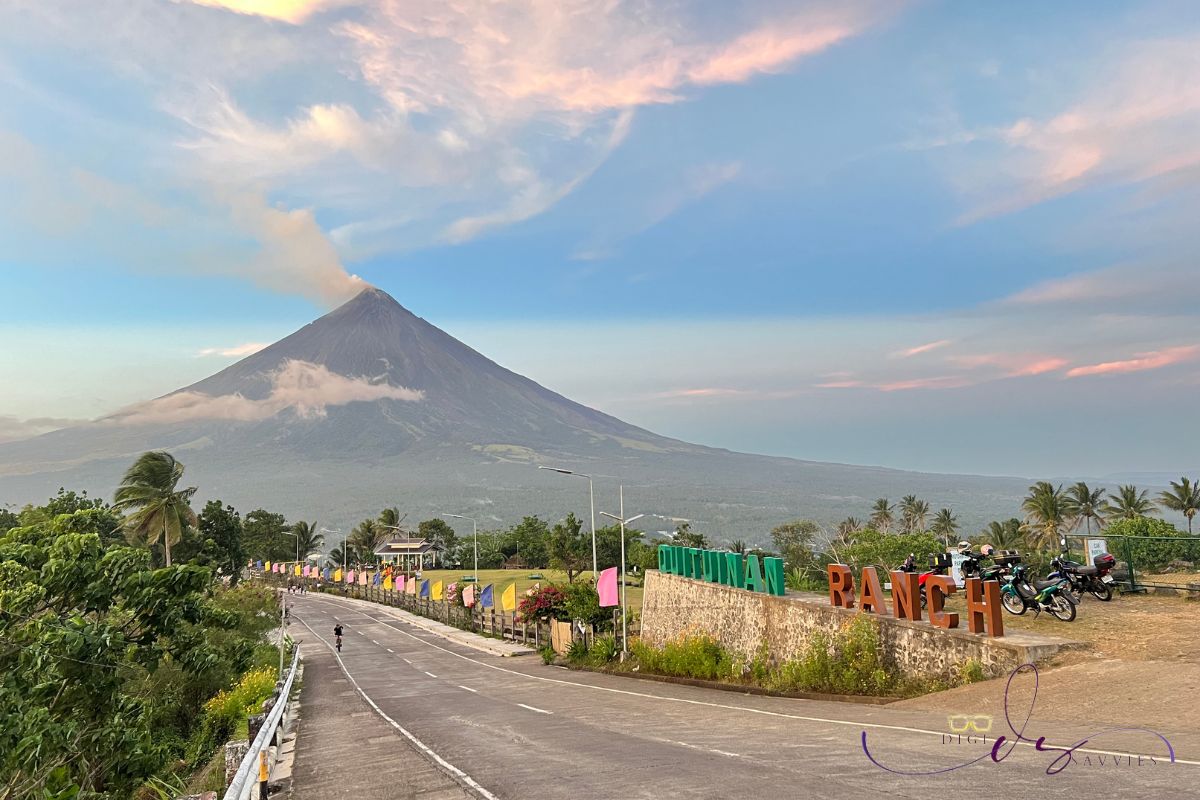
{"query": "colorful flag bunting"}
(399, 583)
(387, 583)
(375, 581)
(349, 576)
(296, 571)
(607, 587)
(411, 586)
(469, 596)
(437, 591)
(328, 573)
(485, 597)
(424, 589)
(508, 598)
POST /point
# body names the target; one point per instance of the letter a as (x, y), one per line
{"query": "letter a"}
(871, 599)
(841, 586)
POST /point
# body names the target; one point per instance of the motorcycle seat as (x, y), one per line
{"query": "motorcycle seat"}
(1039, 585)
(1085, 570)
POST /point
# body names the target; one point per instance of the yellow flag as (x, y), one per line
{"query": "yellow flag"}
(296, 571)
(337, 575)
(435, 591)
(387, 583)
(508, 600)
(267, 567)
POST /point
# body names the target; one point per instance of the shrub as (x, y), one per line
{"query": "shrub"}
(228, 708)
(970, 671)
(577, 653)
(604, 649)
(548, 601)
(688, 657)
(583, 603)
(1150, 554)
(873, 548)
(548, 655)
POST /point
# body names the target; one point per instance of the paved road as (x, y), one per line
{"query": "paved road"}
(514, 728)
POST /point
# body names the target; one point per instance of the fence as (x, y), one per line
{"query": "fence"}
(1145, 562)
(256, 767)
(483, 621)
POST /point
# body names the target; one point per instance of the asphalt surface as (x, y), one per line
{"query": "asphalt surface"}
(515, 728)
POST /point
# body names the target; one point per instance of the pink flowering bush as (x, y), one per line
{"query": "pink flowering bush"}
(549, 601)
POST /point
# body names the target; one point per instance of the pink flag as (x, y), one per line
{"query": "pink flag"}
(350, 576)
(399, 583)
(469, 596)
(304, 571)
(607, 587)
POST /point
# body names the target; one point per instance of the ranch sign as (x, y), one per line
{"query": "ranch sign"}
(983, 598)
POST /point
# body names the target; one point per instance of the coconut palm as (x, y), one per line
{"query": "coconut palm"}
(1046, 514)
(163, 512)
(363, 539)
(309, 540)
(1087, 504)
(848, 526)
(913, 513)
(1129, 503)
(1184, 497)
(390, 517)
(881, 515)
(738, 546)
(1004, 535)
(945, 524)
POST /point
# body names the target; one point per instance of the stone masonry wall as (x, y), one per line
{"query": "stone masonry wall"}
(742, 620)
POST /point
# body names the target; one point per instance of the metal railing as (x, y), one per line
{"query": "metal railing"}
(1146, 561)
(259, 760)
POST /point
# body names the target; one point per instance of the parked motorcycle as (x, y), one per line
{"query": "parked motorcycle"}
(1094, 580)
(1018, 594)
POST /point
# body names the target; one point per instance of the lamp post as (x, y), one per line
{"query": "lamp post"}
(338, 530)
(624, 604)
(283, 603)
(591, 502)
(475, 536)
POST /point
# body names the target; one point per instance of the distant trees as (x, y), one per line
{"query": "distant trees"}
(1129, 503)
(881, 515)
(161, 512)
(264, 537)
(221, 540)
(1087, 504)
(1047, 512)
(684, 536)
(913, 512)
(570, 549)
(1184, 497)
(1005, 535)
(309, 539)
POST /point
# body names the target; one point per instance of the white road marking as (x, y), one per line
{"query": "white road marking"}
(374, 642)
(469, 689)
(430, 674)
(538, 710)
(424, 748)
(723, 753)
(406, 661)
(761, 711)
(390, 650)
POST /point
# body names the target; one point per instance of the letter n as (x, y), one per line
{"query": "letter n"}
(841, 586)
(773, 572)
(737, 576)
(983, 607)
(871, 599)
(906, 596)
(937, 587)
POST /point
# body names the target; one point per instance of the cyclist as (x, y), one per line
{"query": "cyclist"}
(337, 632)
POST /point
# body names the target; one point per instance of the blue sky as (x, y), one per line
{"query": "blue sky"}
(941, 236)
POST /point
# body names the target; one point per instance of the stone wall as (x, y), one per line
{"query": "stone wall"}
(742, 621)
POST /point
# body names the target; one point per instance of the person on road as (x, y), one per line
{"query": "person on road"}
(337, 633)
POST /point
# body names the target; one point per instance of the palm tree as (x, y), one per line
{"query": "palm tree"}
(1046, 514)
(1184, 497)
(881, 515)
(308, 538)
(945, 524)
(363, 539)
(1005, 535)
(1129, 503)
(913, 513)
(163, 512)
(390, 517)
(1087, 504)
(848, 526)
(738, 546)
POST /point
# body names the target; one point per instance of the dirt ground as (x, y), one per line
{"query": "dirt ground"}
(1138, 664)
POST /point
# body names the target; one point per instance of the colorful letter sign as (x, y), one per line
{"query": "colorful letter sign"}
(728, 569)
(983, 598)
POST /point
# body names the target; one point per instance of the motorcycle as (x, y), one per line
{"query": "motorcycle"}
(1094, 580)
(1018, 594)
(939, 564)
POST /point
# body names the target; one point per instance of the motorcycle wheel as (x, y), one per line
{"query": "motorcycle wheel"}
(1012, 604)
(1074, 593)
(1100, 590)
(1062, 608)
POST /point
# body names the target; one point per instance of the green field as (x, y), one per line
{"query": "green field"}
(502, 577)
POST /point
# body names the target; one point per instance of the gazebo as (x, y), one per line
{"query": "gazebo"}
(402, 550)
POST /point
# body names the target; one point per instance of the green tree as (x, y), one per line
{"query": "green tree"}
(531, 541)
(1129, 503)
(570, 549)
(263, 535)
(1087, 504)
(888, 551)
(794, 542)
(68, 502)
(849, 526)
(913, 512)
(309, 538)
(608, 546)
(684, 536)
(441, 535)
(738, 546)
(1047, 514)
(8, 520)
(390, 518)
(1184, 497)
(1006, 535)
(220, 529)
(945, 524)
(161, 512)
(882, 515)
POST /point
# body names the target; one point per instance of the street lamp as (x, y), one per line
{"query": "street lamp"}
(474, 535)
(624, 605)
(591, 502)
(297, 538)
(338, 530)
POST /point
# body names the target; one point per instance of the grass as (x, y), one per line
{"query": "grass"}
(500, 578)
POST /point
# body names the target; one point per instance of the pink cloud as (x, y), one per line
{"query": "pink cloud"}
(841, 385)
(941, 382)
(922, 348)
(1144, 361)
(1014, 365)
(702, 392)
(236, 351)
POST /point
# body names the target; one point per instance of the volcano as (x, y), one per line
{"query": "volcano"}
(372, 406)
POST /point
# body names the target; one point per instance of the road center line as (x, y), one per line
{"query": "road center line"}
(469, 689)
(424, 748)
(747, 709)
(390, 650)
(538, 710)
(430, 674)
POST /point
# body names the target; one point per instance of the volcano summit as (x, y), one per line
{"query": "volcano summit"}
(371, 405)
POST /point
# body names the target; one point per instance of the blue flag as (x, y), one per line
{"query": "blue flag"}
(485, 597)
(328, 574)
(375, 581)
(260, 563)
(424, 589)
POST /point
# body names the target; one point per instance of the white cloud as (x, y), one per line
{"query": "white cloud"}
(305, 389)
(237, 351)
(12, 428)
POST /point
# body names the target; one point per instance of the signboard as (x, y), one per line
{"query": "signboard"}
(1094, 547)
(719, 566)
(956, 562)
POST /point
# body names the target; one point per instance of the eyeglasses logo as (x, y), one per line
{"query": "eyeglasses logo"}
(962, 723)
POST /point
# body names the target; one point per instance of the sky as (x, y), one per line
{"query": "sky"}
(954, 237)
